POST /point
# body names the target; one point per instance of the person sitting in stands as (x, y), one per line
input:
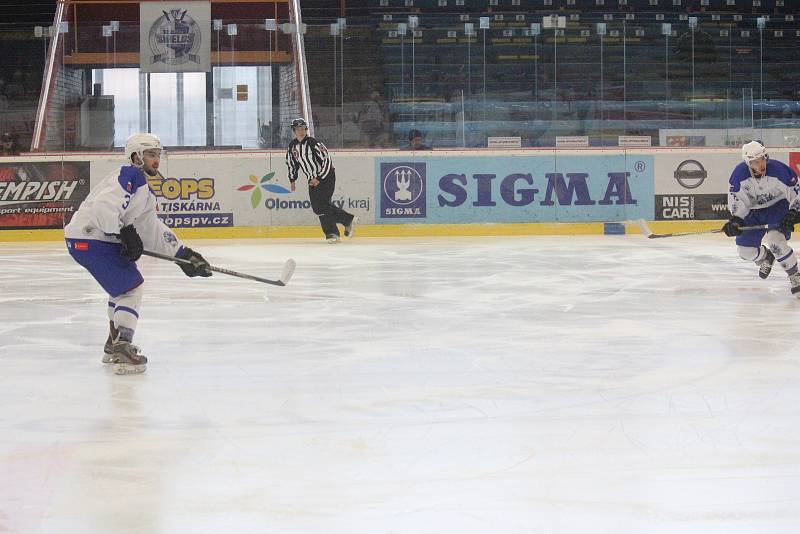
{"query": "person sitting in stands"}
(7, 146)
(415, 141)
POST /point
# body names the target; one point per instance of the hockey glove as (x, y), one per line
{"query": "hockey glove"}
(199, 265)
(733, 227)
(132, 247)
(789, 220)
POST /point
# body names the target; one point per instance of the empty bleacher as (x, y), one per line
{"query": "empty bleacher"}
(518, 75)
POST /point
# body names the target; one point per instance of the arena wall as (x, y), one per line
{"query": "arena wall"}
(485, 192)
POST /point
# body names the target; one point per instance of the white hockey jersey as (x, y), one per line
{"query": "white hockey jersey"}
(122, 198)
(747, 193)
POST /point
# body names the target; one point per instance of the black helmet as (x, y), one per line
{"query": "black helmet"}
(299, 122)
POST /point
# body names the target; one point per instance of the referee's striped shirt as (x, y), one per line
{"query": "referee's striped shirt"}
(309, 155)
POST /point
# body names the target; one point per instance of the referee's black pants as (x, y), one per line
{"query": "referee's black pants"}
(329, 215)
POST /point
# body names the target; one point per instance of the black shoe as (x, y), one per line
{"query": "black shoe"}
(350, 229)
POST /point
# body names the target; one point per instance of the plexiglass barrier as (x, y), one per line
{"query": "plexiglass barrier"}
(432, 76)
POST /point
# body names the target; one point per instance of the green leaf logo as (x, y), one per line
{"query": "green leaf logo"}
(255, 198)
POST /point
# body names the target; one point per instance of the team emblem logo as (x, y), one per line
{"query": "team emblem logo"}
(170, 238)
(175, 38)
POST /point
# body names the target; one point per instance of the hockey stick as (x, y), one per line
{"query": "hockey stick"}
(650, 235)
(286, 275)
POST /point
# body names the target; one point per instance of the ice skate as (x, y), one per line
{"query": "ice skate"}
(350, 229)
(127, 359)
(108, 348)
(794, 280)
(108, 351)
(332, 238)
(765, 265)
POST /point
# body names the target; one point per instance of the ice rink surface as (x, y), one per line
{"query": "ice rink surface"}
(439, 385)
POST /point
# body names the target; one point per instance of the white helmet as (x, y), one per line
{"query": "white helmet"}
(753, 150)
(138, 143)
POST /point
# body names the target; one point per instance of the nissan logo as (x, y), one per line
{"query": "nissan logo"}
(691, 174)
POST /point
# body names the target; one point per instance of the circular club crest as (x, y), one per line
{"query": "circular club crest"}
(175, 38)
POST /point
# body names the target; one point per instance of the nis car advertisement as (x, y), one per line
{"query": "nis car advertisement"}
(37, 195)
(569, 188)
(694, 185)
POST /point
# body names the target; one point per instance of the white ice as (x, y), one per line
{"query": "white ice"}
(440, 385)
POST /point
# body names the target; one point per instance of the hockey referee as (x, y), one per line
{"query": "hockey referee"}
(307, 153)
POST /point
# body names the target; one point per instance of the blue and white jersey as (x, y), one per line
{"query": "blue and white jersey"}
(122, 198)
(747, 193)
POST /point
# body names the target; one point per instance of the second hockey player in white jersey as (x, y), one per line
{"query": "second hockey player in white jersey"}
(109, 232)
(763, 191)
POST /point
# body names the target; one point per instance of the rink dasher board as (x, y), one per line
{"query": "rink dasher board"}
(477, 192)
(405, 230)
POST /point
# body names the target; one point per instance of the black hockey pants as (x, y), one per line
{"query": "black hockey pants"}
(329, 214)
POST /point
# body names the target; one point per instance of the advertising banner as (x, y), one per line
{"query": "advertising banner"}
(254, 190)
(247, 189)
(634, 141)
(684, 140)
(37, 195)
(191, 202)
(251, 189)
(504, 142)
(794, 162)
(175, 36)
(693, 186)
(540, 188)
(729, 137)
(572, 141)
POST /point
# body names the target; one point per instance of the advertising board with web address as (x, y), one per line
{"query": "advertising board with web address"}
(190, 202)
(249, 191)
(693, 186)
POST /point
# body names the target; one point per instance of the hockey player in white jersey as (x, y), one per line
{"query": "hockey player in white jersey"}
(109, 232)
(764, 191)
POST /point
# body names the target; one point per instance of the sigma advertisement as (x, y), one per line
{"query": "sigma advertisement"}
(568, 188)
(40, 195)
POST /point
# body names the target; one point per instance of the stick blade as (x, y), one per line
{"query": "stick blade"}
(288, 271)
(644, 228)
